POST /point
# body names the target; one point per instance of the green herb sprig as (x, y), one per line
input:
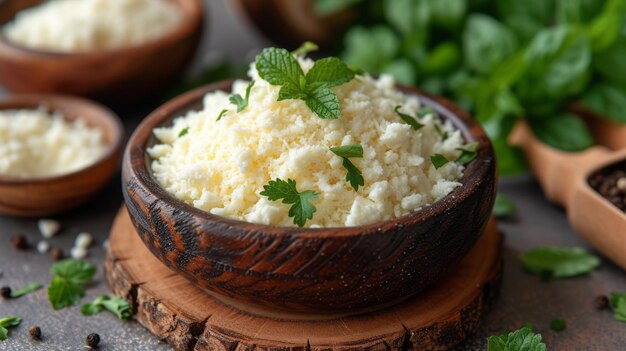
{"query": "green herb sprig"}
(239, 101)
(618, 304)
(559, 262)
(523, 339)
(302, 209)
(31, 287)
(8, 322)
(354, 175)
(408, 119)
(183, 132)
(222, 113)
(279, 67)
(114, 304)
(67, 286)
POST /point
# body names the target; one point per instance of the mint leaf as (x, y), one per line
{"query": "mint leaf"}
(222, 113)
(6, 323)
(468, 153)
(183, 132)
(240, 102)
(66, 288)
(520, 340)
(558, 325)
(331, 71)
(301, 208)
(618, 303)
(116, 305)
(321, 100)
(279, 67)
(408, 119)
(559, 262)
(503, 207)
(26, 290)
(354, 175)
(305, 48)
(438, 160)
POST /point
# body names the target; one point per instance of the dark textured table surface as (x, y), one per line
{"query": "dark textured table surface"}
(523, 298)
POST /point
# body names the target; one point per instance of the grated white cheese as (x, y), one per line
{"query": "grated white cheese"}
(35, 143)
(221, 166)
(83, 25)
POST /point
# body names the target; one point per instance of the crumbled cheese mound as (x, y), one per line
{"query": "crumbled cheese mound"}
(35, 143)
(84, 25)
(221, 166)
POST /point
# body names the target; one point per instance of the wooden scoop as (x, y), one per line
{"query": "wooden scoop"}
(564, 178)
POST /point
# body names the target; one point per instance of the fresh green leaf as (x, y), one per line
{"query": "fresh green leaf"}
(183, 132)
(330, 71)
(6, 323)
(557, 325)
(66, 288)
(486, 43)
(438, 160)
(279, 67)
(302, 209)
(448, 13)
(222, 113)
(511, 160)
(559, 262)
(239, 101)
(618, 303)
(610, 63)
(503, 207)
(76, 271)
(347, 151)
(354, 175)
(441, 132)
(305, 48)
(321, 100)
(607, 101)
(370, 49)
(329, 7)
(402, 70)
(564, 132)
(468, 153)
(605, 28)
(444, 58)
(408, 119)
(520, 340)
(409, 16)
(26, 290)
(116, 305)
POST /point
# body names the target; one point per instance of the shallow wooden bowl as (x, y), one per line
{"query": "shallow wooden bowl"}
(118, 75)
(50, 195)
(300, 269)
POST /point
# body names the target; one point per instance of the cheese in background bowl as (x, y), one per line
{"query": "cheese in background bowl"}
(222, 166)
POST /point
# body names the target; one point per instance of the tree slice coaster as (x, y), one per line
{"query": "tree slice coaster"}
(188, 318)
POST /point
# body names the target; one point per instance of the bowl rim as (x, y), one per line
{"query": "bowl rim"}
(135, 165)
(190, 22)
(23, 101)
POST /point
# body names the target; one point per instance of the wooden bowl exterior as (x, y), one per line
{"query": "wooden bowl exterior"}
(118, 75)
(51, 195)
(300, 269)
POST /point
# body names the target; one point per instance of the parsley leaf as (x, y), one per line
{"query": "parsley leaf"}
(618, 303)
(26, 290)
(66, 288)
(116, 305)
(302, 208)
(6, 323)
(559, 262)
(240, 102)
(305, 48)
(408, 119)
(279, 67)
(468, 153)
(354, 175)
(222, 113)
(520, 340)
(438, 160)
(558, 325)
(183, 132)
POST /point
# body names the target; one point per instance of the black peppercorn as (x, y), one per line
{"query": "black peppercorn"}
(92, 341)
(18, 241)
(35, 332)
(56, 253)
(602, 302)
(5, 292)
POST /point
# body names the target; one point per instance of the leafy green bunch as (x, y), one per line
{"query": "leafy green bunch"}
(501, 59)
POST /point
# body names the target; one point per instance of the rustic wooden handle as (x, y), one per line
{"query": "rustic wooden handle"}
(557, 171)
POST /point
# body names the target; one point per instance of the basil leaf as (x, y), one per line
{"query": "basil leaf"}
(605, 29)
(564, 132)
(610, 63)
(486, 43)
(370, 49)
(559, 262)
(607, 101)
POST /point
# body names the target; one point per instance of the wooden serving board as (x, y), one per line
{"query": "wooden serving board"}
(188, 318)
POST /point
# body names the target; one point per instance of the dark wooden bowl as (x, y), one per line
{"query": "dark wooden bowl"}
(300, 269)
(50, 195)
(118, 75)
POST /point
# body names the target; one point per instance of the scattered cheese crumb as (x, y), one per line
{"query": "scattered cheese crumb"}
(221, 166)
(83, 25)
(43, 246)
(78, 253)
(48, 227)
(83, 240)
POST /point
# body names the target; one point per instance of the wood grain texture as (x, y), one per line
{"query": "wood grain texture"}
(309, 269)
(186, 317)
(118, 75)
(51, 195)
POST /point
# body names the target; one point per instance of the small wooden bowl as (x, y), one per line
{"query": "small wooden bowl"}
(118, 75)
(303, 269)
(50, 195)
